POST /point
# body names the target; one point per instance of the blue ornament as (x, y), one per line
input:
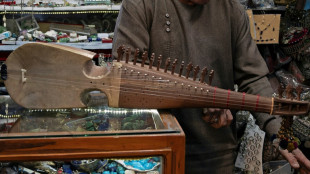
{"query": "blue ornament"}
(137, 165)
(66, 168)
(103, 126)
(156, 159)
(148, 166)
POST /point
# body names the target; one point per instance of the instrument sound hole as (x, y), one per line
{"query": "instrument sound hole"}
(94, 98)
(93, 71)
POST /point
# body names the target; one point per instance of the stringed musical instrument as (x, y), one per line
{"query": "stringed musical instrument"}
(41, 75)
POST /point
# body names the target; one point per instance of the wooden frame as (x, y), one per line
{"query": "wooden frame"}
(31, 21)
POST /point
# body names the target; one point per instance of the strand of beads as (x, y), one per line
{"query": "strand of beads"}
(285, 136)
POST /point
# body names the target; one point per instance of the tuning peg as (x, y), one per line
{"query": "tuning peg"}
(151, 60)
(203, 74)
(189, 69)
(144, 57)
(159, 61)
(136, 56)
(280, 90)
(288, 91)
(173, 66)
(120, 52)
(211, 76)
(196, 70)
(128, 51)
(167, 64)
(299, 90)
(181, 69)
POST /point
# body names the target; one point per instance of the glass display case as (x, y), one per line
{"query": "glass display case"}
(96, 139)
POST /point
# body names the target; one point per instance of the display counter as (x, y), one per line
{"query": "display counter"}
(109, 136)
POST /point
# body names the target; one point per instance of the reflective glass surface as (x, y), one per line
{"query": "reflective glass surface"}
(16, 121)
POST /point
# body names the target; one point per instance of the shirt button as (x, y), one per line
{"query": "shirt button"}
(168, 23)
(167, 15)
(168, 30)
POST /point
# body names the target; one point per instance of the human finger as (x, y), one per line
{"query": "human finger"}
(218, 123)
(225, 118)
(290, 158)
(229, 116)
(302, 159)
(210, 115)
(222, 120)
(208, 118)
(303, 170)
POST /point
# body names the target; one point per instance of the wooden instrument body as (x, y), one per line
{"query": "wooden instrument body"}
(55, 76)
(44, 75)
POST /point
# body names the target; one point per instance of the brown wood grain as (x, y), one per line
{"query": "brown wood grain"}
(61, 77)
(56, 76)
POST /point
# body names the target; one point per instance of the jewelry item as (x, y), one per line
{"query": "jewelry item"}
(285, 135)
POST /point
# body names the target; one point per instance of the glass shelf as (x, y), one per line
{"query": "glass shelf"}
(40, 10)
(18, 122)
(86, 45)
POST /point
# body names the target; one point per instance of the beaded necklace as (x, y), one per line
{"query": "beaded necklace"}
(285, 136)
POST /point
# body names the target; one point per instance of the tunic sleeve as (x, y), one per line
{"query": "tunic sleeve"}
(132, 25)
(250, 68)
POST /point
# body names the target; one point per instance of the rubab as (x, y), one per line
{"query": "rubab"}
(42, 75)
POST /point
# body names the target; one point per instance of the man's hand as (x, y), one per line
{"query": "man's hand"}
(217, 117)
(297, 160)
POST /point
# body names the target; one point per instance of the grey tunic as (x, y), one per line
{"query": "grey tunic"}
(215, 35)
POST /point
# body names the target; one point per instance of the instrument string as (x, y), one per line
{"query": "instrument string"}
(148, 87)
(150, 91)
(202, 98)
(143, 81)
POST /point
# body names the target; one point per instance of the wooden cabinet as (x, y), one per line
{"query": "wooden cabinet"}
(38, 136)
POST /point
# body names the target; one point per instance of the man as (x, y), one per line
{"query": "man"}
(211, 33)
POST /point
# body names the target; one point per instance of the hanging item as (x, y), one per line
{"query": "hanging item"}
(264, 28)
(285, 137)
(293, 40)
(4, 20)
(27, 23)
(294, 69)
(249, 157)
